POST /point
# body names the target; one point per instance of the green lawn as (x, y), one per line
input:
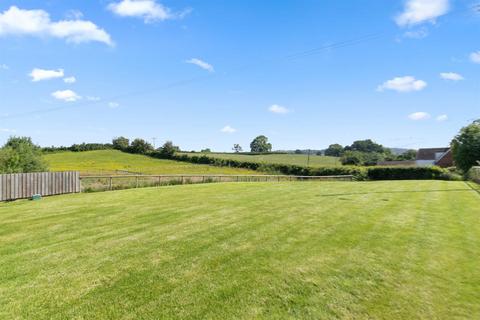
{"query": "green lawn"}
(116, 162)
(292, 159)
(305, 250)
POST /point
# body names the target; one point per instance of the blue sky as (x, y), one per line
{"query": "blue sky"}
(214, 73)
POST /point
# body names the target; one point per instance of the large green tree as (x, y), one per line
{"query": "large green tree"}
(466, 146)
(120, 143)
(334, 150)
(260, 144)
(366, 146)
(140, 146)
(19, 155)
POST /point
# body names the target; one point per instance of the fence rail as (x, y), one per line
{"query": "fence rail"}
(25, 185)
(116, 182)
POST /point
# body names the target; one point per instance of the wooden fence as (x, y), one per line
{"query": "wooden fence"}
(104, 183)
(25, 185)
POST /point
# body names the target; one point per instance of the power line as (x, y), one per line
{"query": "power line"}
(180, 83)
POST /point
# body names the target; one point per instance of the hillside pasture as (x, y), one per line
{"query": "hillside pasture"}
(288, 250)
(113, 162)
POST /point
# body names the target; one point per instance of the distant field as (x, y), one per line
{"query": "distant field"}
(300, 250)
(293, 159)
(115, 162)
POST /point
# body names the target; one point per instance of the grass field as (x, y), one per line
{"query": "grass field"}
(306, 250)
(115, 162)
(292, 159)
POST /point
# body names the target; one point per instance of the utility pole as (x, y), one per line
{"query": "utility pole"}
(154, 142)
(308, 158)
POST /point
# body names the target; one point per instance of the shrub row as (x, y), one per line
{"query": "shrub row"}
(360, 173)
(474, 174)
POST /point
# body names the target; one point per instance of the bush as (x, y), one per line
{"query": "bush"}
(140, 146)
(408, 173)
(19, 155)
(474, 174)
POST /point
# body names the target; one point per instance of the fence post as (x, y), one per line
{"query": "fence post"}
(136, 182)
(111, 183)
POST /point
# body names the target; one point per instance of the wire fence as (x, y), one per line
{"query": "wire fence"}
(118, 182)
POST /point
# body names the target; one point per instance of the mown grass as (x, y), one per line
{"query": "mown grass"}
(117, 162)
(291, 159)
(306, 250)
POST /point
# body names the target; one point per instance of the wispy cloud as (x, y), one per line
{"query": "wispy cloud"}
(416, 34)
(92, 98)
(416, 116)
(442, 118)
(15, 21)
(228, 129)
(70, 80)
(113, 105)
(6, 130)
(403, 84)
(275, 108)
(202, 64)
(148, 10)
(452, 76)
(421, 11)
(43, 74)
(66, 95)
(3, 67)
(475, 57)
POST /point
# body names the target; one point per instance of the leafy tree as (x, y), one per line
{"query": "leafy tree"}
(466, 146)
(120, 143)
(352, 158)
(260, 144)
(168, 149)
(298, 151)
(207, 150)
(140, 146)
(334, 150)
(408, 155)
(237, 148)
(365, 146)
(19, 154)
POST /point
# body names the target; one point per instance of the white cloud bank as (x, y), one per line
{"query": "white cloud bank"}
(403, 84)
(148, 10)
(451, 76)
(475, 57)
(228, 129)
(15, 21)
(66, 95)
(275, 108)
(416, 116)
(202, 64)
(421, 11)
(43, 74)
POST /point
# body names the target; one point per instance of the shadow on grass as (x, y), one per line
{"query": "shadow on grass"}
(393, 192)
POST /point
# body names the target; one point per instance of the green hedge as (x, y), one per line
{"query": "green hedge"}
(474, 174)
(360, 173)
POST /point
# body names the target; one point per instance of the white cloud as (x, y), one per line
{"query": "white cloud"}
(228, 129)
(202, 64)
(419, 116)
(416, 34)
(275, 108)
(7, 130)
(475, 57)
(15, 21)
(148, 10)
(91, 98)
(420, 11)
(3, 67)
(66, 95)
(113, 105)
(70, 80)
(451, 76)
(43, 74)
(403, 84)
(442, 117)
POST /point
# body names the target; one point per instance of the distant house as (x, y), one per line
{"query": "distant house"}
(441, 157)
